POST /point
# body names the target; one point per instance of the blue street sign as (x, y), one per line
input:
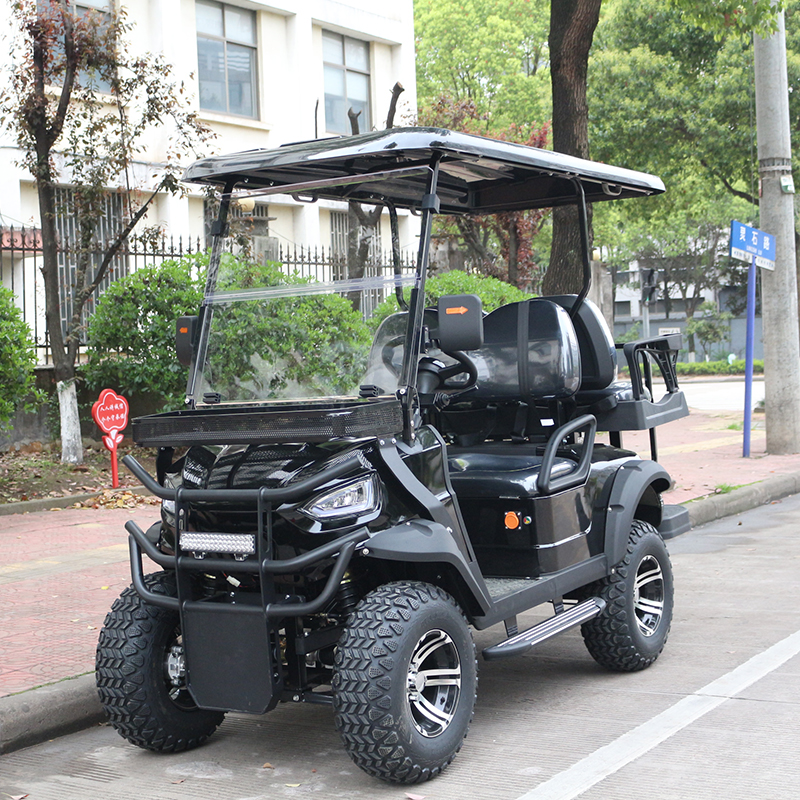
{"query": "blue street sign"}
(750, 244)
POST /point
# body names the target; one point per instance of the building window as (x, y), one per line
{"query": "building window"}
(346, 63)
(226, 58)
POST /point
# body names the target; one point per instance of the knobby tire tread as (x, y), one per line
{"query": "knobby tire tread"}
(123, 667)
(364, 682)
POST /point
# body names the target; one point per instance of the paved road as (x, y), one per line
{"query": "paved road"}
(720, 395)
(715, 717)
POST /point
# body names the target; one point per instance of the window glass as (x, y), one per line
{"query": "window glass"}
(332, 49)
(209, 19)
(240, 25)
(226, 58)
(347, 82)
(356, 54)
(211, 74)
(241, 68)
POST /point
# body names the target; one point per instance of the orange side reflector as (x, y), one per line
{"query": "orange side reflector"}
(511, 520)
(456, 310)
(183, 330)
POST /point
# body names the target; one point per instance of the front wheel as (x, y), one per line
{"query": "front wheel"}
(141, 674)
(632, 630)
(404, 682)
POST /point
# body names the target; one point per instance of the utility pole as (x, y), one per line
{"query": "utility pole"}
(779, 287)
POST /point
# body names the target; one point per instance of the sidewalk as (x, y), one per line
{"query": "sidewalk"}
(60, 570)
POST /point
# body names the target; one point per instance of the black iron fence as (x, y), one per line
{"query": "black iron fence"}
(21, 263)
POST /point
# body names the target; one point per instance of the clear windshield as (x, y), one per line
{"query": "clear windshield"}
(278, 338)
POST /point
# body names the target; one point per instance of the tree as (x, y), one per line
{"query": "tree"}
(132, 331)
(82, 106)
(711, 327)
(17, 360)
(572, 26)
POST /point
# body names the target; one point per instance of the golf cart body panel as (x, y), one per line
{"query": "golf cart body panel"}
(414, 457)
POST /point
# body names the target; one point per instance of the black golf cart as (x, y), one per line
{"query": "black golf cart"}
(357, 478)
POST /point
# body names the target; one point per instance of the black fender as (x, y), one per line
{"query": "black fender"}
(638, 484)
(426, 542)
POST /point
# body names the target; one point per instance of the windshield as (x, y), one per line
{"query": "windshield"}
(273, 337)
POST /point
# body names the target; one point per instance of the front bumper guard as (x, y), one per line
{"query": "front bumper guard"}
(342, 548)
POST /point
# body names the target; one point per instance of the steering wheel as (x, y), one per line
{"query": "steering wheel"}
(434, 375)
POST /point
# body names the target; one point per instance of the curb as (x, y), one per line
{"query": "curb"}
(49, 711)
(718, 506)
(46, 712)
(49, 503)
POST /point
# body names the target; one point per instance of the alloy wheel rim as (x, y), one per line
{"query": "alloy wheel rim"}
(648, 595)
(434, 683)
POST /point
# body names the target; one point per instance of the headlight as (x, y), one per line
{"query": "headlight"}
(353, 499)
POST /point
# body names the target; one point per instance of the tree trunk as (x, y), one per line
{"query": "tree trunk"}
(71, 445)
(572, 25)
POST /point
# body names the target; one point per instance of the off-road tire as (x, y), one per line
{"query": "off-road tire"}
(131, 674)
(630, 633)
(382, 698)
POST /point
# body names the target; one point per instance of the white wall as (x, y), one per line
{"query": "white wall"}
(290, 83)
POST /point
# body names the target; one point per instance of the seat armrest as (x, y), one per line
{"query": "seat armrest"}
(641, 354)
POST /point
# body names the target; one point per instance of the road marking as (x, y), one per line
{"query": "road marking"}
(588, 772)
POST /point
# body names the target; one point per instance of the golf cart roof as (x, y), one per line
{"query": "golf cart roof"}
(476, 175)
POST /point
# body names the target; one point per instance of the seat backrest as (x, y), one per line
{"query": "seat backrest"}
(598, 354)
(530, 352)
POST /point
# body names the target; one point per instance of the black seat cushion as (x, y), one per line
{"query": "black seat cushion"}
(500, 469)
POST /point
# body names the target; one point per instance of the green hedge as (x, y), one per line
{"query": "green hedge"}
(717, 367)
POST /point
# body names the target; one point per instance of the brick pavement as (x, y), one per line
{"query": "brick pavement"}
(60, 570)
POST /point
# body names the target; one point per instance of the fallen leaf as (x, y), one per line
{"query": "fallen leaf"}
(105, 587)
(182, 780)
(267, 765)
(292, 785)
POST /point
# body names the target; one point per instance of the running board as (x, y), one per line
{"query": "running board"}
(522, 642)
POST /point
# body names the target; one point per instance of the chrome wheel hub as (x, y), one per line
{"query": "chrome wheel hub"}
(434, 683)
(648, 595)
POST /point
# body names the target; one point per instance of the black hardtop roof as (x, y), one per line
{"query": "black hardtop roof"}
(477, 175)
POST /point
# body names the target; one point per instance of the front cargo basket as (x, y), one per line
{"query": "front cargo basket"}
(269, 424)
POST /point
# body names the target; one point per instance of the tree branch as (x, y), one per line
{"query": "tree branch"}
(397, 90)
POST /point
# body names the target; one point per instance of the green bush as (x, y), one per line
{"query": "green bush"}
(132, 332)
(717, 367)
(493, 292)
(17, 360)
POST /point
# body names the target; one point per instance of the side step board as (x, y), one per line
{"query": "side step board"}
(522, 642)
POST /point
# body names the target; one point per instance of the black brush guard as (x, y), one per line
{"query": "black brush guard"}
(230, 644)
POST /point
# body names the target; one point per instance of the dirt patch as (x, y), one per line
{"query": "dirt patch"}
(35, 475)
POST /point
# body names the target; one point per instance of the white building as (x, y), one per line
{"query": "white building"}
(261, 73)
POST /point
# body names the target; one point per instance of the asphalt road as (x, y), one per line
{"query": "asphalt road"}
(716, 716)
(720, 395)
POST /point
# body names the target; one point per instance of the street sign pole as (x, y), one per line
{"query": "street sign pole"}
(748, 358)
(758, 249)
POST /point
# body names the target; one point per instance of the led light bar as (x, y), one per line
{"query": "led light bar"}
(240, 544)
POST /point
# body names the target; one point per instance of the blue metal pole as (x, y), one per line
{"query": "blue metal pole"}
(748, 358)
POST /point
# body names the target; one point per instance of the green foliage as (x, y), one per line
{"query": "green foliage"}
(313, 345)
(717, 367)
(723, 17)
(493, 292)
(633, 334)
(132, 332)
(711, 327)
(492, 54)
(17, 360)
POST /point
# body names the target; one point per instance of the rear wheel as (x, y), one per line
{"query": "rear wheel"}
(404, 682)
(632, 630)
(141, 674)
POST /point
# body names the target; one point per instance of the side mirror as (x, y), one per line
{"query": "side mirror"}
(460, 322)
(185, 328)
